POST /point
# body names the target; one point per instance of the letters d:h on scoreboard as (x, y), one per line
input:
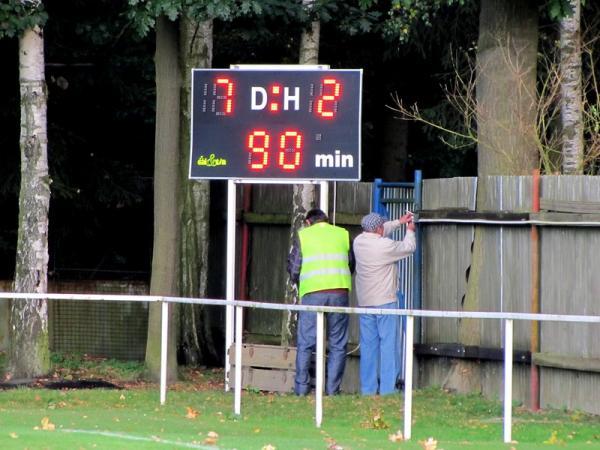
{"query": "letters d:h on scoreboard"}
(276, 124)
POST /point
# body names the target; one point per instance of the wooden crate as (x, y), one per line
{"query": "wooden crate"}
(265, 367)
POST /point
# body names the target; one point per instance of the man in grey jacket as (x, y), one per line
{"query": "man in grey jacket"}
(376, 258)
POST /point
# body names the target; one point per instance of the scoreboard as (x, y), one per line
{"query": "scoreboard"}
(276, 124)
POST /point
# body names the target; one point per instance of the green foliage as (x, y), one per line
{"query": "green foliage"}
(557, 9)
(349, 17)
(17, 16)
(143, 13)
(405, 15)
(352, 17)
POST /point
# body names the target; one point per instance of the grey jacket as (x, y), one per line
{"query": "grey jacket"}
(376, 257)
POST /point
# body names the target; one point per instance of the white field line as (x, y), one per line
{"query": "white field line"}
(132, 437)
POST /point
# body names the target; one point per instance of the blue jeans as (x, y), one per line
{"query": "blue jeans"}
(379, 361)
(337, 338)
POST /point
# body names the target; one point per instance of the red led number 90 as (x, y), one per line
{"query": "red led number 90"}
(289, 151)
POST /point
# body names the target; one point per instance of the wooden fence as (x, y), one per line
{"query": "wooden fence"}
(569, 257)
(569, 284)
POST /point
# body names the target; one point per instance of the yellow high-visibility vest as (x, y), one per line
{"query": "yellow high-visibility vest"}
(324, 250)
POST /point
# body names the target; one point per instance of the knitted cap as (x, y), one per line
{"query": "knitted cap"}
(372, 221)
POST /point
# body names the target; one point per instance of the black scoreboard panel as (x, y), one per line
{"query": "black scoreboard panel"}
(276, 124)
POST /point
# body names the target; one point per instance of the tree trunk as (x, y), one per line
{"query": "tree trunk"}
(506, 89)
(29, 351)
(394, 149)
(197, 342)
(506, 108)
(303, 200)
(571, 111)
(309, 44)
(304, 194)
(166, 178)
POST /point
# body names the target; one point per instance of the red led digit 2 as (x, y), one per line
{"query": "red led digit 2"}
(327, 102)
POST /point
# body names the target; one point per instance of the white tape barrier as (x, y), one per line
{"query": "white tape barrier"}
(238, 306)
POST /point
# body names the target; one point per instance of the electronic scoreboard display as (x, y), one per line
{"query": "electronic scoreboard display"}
(276, 124)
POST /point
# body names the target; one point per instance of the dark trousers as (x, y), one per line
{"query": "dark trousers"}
(337, 338)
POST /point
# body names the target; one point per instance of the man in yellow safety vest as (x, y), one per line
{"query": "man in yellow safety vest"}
(321, 264)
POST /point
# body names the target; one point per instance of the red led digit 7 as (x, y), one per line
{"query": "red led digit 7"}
(228, 88)
(327, 103)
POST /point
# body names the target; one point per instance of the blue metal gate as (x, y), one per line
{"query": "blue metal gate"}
(392, 200)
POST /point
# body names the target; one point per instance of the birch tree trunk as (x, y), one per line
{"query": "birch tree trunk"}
(166, 180)
(29, 352)
(506, 110)
(571, 108)
(197, 343)
(304, 194)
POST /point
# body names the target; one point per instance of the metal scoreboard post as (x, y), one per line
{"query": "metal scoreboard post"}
(276, 124)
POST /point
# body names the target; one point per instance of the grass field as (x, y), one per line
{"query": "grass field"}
(198, 414)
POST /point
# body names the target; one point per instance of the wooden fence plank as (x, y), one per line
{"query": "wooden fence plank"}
(564, 361)
(268, 356)
(573, 206)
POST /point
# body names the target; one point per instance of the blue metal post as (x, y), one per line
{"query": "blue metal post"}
(418, 257)
(377, 188)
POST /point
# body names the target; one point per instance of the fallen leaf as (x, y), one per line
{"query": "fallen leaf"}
(14, 435)
(554, 439)
(191, 413)
(257, 430)
(47, 425)
(397, 437)
(211, 438)
(378, 422)
(268, 447)
(122, 397)
(429, 444)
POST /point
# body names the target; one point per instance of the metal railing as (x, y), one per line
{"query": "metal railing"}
(410, 315)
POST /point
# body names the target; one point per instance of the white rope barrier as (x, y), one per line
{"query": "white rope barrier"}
(239, 305)
(510, 222)
(333, 309)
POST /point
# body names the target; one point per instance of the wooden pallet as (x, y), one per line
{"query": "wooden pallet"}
(265, 367)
